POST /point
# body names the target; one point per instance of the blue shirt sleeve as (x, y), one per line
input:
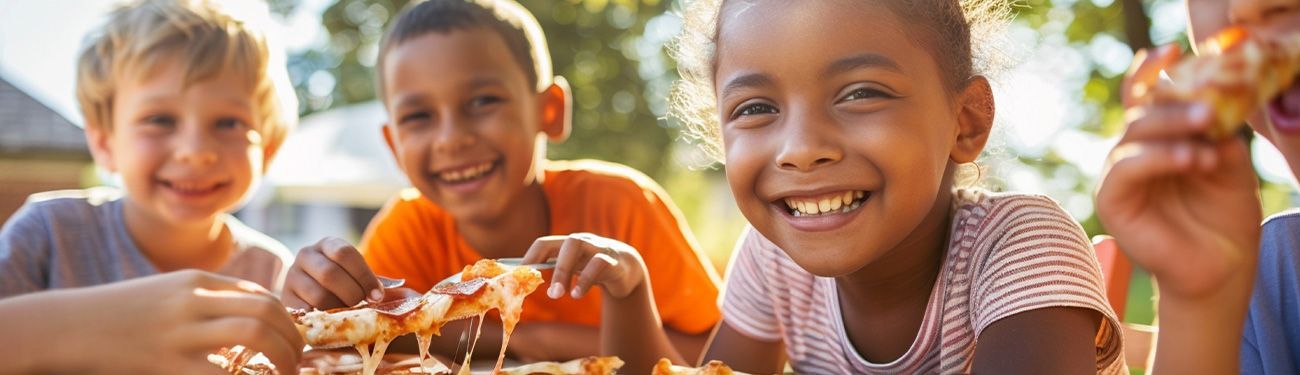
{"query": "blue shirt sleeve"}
(24, 252)
(1270, 342)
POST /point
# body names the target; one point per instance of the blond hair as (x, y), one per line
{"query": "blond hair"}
(962, 36)
(207, 38)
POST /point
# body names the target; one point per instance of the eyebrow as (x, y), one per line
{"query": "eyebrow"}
(481, 82)
(409, 100)
(745, 81)
(861, 61)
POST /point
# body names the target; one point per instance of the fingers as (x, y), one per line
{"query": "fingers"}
(595, 271)
(1171, 120)
(249, 332)
(347, 257)
(213, 281)
(304, 292)
(571, 257)
(1135, 165)
(1145, 72)
(339, 270)
(268, 311)
(542, 249)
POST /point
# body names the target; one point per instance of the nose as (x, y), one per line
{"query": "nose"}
(808, 142)
(1257, 11)
(453, 135)
(195, 146)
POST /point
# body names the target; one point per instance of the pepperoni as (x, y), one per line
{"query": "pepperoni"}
(462, 289)
(399, 308)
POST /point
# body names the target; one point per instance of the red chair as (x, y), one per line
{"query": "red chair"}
(1117, 272)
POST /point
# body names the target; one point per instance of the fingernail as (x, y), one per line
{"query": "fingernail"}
(556, 291)
(577, 293)
(377, 295)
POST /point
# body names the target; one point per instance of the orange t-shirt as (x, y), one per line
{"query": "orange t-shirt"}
(413, 238)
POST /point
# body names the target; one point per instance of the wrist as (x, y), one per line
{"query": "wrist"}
(39, 321)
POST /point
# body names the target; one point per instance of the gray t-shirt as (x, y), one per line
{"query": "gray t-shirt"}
(76, 238)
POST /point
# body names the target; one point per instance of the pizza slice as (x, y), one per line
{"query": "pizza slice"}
(484, 285)
(580, 366)
(1237, 73)
(666, 367)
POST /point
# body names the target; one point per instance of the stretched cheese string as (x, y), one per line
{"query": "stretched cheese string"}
(478, 331)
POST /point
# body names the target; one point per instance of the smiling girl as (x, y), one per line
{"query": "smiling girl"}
(842, 124)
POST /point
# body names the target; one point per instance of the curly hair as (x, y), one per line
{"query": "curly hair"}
(960, 34)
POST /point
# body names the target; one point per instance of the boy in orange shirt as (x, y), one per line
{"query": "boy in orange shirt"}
(471, 101)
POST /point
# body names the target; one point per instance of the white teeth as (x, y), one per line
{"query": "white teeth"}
(467, 173)
(840, 203)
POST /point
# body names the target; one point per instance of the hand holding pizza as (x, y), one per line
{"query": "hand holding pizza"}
(1180, 204)
(593, 260)
(330, 274)
(161, 324)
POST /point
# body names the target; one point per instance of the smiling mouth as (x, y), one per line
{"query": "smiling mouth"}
(192, 188)
(467, 174)
(826, 204)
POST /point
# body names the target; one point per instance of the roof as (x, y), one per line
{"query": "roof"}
(338, 155)
(29, 127)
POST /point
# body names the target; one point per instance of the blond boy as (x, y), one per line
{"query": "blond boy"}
(185, 103)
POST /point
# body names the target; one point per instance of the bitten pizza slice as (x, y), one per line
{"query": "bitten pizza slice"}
(1237, 73)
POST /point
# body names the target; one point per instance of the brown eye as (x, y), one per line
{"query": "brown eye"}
(755, 109)
(865, 93)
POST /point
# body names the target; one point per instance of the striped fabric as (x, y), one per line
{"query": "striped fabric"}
(1008, 253)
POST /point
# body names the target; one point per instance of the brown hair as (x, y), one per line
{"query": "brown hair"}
(208, 38)
(521, 32)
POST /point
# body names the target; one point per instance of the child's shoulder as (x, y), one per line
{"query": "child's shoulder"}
(70, 205)
(1285, 219)
(1000, 205)
(248, 239)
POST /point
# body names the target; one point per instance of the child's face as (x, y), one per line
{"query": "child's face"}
(1279, 122)
(184, 153)
(464, 121)
(826, 104)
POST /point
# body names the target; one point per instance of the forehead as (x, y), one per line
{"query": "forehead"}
(807, 36)
(454, 56)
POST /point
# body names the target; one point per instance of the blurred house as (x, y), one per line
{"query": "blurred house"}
(332, 175)
(39, 149)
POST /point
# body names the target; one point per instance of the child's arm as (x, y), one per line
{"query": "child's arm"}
(1057, 340)
(330, 274)
(1187, 210)
(630, 324)
(744, 354)
(163, 324)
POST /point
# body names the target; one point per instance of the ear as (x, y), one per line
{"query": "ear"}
(100, 149)
(974, 120)
(557, 110)
(390, 140)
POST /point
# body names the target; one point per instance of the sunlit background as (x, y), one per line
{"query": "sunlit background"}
(1057, 108)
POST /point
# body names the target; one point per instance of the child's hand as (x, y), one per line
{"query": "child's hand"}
(330, 274)
(594, 260)
(168, 323)
(1185, 208)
